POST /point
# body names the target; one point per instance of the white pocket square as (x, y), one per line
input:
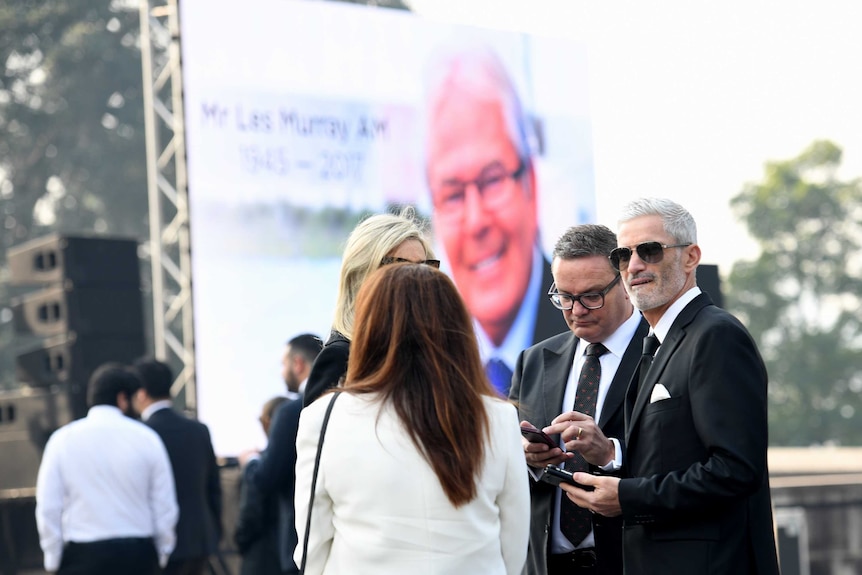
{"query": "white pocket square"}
(659, 392)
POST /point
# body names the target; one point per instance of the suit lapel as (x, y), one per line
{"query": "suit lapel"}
(620, 383)
(557, 365)
(674, 337)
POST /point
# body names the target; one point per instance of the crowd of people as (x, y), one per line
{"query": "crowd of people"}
(463, 425)
(647, 453)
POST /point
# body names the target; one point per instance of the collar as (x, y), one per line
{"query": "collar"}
(664, 324)
(618, 342)
(154, 407)
(104, 411)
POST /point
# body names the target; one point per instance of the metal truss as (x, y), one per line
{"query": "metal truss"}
(167, 184)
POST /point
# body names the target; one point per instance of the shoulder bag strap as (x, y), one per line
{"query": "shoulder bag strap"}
(314, 479)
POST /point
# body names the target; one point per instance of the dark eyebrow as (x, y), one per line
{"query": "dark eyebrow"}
(495, 165)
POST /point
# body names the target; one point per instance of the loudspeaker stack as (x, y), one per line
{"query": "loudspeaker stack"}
(85, 310)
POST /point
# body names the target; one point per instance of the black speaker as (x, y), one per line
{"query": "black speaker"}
(77, 260)
(709, 281)
(90, 311)
(71, 360)
(27, 420)
(98, 311)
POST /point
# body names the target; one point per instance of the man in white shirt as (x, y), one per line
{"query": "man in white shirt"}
(105, 499)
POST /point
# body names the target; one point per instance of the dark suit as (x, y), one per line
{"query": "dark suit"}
(196, 477)
(538, 386)
(273, 474)
(697, 500)
(257, 529)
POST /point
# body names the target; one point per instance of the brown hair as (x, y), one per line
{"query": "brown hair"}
(415, 346)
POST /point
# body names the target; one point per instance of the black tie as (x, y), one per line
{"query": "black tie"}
(651, 344)
(576, 522)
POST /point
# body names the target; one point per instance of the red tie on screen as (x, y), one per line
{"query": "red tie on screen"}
(576, 522)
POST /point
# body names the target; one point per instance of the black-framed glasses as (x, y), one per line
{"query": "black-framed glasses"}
(450, 197)
(391, 260)
(590, 300)
(649, 252)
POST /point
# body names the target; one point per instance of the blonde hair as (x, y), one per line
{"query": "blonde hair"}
(373, 239)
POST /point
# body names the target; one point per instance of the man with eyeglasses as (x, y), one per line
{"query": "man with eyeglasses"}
(483, 190)
(695, 495)
(553, 378)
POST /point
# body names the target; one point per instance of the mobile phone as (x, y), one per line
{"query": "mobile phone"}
(554, 475)
(534, 435)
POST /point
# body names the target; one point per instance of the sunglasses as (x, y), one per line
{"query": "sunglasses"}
(648, 252)
(390, 260)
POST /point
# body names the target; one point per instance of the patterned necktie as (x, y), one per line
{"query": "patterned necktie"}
(651, 344)
(576, 522)
(500, 375)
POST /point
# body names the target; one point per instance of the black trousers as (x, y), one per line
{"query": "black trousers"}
(578, 562)
(129, 556)
(192, 566)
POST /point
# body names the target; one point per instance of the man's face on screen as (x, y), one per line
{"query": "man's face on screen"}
(484, 207)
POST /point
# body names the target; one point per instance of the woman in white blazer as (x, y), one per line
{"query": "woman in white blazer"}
(422, 469)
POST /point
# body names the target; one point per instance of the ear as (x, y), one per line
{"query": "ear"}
(691, 258)
(122, 402)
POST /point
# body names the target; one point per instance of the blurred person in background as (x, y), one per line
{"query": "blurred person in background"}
(270, 473)
(376, 241)
(256, 535)
(299, 355)
(105, 499)
(193, 461)
(484, 192)
(422, 468)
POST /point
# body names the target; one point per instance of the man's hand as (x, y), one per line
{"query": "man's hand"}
(581, 433)
(605, 500)
(540, 455)
(247, 456)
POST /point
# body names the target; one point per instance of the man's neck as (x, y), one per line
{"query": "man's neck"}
(153, 406)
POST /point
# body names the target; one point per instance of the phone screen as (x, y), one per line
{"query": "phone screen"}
(534, 435)
(555, 476)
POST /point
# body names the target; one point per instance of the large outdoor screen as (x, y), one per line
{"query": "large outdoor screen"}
(304, 117)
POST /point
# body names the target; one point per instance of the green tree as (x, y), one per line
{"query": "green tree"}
(801, 297)
(72, 156)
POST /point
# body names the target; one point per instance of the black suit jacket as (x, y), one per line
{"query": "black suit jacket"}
(274, 475)
(328, 368)
(196, 477)
(697, 500)
(538, 386)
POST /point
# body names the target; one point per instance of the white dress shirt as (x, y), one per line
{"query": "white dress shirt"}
(105, 476)
(379, 507)
(616, 343)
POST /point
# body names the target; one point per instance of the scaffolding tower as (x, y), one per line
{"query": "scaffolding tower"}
(167, 187)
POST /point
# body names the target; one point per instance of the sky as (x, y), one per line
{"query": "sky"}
(689, 99)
